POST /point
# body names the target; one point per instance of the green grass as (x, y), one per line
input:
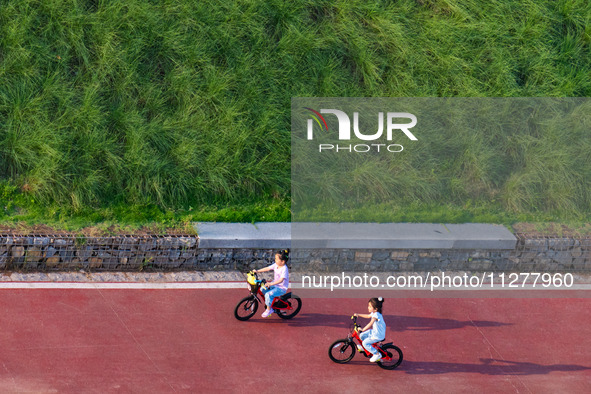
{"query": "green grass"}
(517, 156)
(155, 107)
(17, 211)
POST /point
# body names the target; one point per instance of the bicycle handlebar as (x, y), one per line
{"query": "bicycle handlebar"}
(356, 326)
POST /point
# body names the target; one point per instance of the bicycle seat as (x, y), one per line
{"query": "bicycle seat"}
(286, 296)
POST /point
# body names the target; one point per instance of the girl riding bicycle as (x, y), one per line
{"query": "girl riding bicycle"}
(280, 281)
(375, 330)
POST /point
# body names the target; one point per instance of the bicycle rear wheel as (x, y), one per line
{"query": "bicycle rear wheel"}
(395, 355)
(296, 304)
(342, 351)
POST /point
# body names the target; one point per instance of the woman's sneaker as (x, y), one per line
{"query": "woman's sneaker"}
(267, 312)
(375, 358)
(360, 349)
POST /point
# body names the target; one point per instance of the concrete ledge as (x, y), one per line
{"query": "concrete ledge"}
(244, 235)
(354, 236)
(370, 236)
(481, 236)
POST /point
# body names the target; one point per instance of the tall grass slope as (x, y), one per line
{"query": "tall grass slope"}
(179, 102)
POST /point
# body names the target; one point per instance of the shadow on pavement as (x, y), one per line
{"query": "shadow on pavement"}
(487, 366)
(395, 323)
(413, 323)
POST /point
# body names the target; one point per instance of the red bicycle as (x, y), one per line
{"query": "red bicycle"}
(343, 350)
(286, 306)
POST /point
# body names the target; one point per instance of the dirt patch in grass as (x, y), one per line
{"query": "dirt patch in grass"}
(553, 229)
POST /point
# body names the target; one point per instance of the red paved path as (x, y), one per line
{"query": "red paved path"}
(188, 341)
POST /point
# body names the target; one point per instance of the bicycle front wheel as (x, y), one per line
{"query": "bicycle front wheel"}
(246, 308)
(341, 351)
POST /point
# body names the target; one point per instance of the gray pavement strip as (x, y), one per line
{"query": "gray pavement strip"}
(124, 277)
(224, 276)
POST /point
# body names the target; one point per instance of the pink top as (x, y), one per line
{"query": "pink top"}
(281, 273)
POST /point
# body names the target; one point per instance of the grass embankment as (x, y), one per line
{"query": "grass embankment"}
(476, 160)
(132, 112)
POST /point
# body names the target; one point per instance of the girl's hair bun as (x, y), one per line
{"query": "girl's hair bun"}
(377, 303)
(284, 254)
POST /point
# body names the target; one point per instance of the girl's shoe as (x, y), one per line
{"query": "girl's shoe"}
(375, 358)
(267, 313)
(360, 349)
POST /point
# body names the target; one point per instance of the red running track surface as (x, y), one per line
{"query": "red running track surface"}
(166, 341)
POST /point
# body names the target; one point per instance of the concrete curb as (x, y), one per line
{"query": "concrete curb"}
(243, 235)
(354, 236)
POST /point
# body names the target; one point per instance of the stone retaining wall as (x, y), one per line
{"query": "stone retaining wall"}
(42, 252)
(530, 255)
(132, 253)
